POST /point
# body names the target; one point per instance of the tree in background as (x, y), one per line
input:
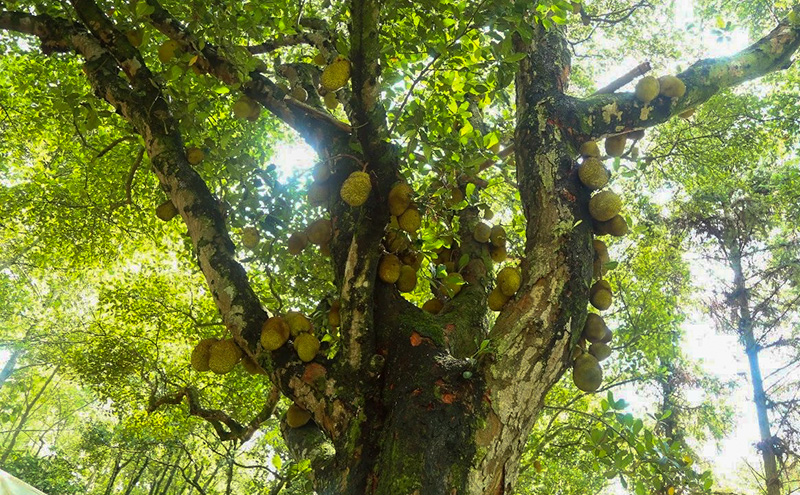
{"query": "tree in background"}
(399, 399)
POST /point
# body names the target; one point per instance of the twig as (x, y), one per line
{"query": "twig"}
(113, 144)
(629, 76)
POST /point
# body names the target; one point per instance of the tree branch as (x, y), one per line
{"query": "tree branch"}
(603, 115)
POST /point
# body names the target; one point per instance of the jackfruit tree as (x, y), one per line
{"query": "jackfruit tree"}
(431, 328)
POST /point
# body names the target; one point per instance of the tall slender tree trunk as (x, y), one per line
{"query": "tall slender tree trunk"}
(115, 470)
(135, 480)
(9, 367)
(771, 474)
(24, 418)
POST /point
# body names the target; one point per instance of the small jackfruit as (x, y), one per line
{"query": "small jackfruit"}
(356, 188)
(330, 100)
(599, 285)
(243, 107)
(299, 93)
(498, 236)
(400, 198)
(453, 284)
(600, 350)
(307, 346)
(615, 145)
(166, 211)
(498, 253)
(166, 51)
(482, 232)
(456, 197)
(590, 148)
(410, 220)
(609, 335)
(509, 280)
(250, 237)
(201, 354)
(298, 323)
(252, 367)
(319, 232)
(595, 328)
(297, 242)
(195, 155)
(433, 306)
(672, 86)
(223, 356)
(647, 89)
(592, 173)
(389, 268)
(319, 59)
(601, 299)
(274, 333)
(497, 299)
(296, 416)
(336, 75)
(407, 281)
(587, 373)
(617, 226)
(604, 205)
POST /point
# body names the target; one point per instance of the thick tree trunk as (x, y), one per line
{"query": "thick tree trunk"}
(766, 445)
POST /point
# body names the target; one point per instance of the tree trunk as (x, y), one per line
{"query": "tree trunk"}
(115, 469)
(24, 418)
(766, 445)
(8, 368)
(135, 480)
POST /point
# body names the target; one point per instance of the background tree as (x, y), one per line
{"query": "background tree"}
(401, 400)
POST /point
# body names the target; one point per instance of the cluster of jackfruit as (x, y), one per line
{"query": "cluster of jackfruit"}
(217, 355)
(392, 270)
(277, 331)
(495, 237)
(604, 206)
(649, 88)
(400, 263)
(508, 282)
(587, 374)
(318, 232)
(246, 108)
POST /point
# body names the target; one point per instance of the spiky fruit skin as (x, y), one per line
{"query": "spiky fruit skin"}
(223, 356)
(296, 416)
(672, 87)
(200, 355)
(336, 75)
(497, 299)
(647, 89)
(319, 232)
(243, 107)
(297, 242)
(600, 350)
(389, 268)
(595, 328)
(250, 237)
(195, 155)
(433, 306)
(509, 280)
(587, 373)
(400, 198)
(498, 253)
(331, 102)
(274, 333)
(615, 145)
(166, 51)
(306, 345)
(601, 299)
(356, 188)
(498, 236)
(592, 173)
(166, 211)
(318, 194)
(604, 205)
(482, 233)
(617, 226)
(298, 323)
(410, 220)
(407, 281)
(590, 148)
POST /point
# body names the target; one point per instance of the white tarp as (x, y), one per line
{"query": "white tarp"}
(10, 485)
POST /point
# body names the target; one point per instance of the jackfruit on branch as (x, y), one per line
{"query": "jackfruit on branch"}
(497, 299)
(223, 356)
(297, 242)
(296, 416)
(318, 194)
(498, 253)
(587, 373)
(319, 232)
(201, 355)
(400, 198)
(252, 367)
(593, 174)
(498, 236)
(482, 233)
(250, 237)
(604, 205)
(195, 155)
(601, 299)
(617, 226)
(410, 220)
(615, 145)
(336, 75)
(407, 280)
(331, 102)
(590, 148)
(672, 86)
(595, 328)
(389, 268)
(298, 323)
(166, 211)
(433, 306)
(356, 188)
(334, 318)
(509, 280)
(647, 89)
(600, 350)
(307, 346)
(274, 333)
(244, 108)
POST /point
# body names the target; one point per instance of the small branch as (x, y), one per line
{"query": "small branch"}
(629, 76)
(113, 144)
(314, 39)
(129, 181)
